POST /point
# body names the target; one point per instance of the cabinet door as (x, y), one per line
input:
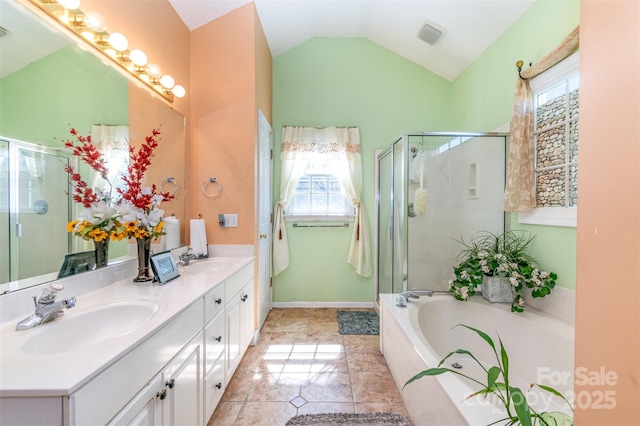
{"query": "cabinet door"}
(247, 315)
(183, 381)
(145, 409)
(233, 314)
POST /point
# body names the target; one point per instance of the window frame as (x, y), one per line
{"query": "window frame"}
(321, 217)
(555, 215)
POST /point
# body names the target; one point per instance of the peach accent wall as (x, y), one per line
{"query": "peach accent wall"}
(154, 27)
(228, 58)
(608, 254)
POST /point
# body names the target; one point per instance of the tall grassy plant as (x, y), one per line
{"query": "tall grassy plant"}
(497, 383)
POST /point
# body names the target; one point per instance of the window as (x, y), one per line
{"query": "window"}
(319, 196)
(555, 102)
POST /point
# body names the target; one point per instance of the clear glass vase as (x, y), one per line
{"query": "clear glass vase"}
(144, 254)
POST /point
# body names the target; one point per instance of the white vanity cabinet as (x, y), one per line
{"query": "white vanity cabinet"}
(239, 313)
(175, 374)
(229, 329)
(172, 397)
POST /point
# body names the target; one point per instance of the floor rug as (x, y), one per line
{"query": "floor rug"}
(358, 322)
(330, 419)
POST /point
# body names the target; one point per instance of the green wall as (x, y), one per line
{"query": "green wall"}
(347, 82)
(70, 87)
(482, 100)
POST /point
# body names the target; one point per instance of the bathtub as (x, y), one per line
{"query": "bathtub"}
(412, 339)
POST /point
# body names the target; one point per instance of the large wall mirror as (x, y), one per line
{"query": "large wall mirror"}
(48, 83)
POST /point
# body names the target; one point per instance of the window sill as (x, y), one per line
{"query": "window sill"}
(336, 218)
(550, 216)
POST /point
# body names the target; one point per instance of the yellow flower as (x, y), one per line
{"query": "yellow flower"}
(97, 235)
(131, 226)
(141, 233)
(158, 229)
(72, 225)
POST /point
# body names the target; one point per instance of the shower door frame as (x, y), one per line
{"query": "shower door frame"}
(390, 151)
(14, 148)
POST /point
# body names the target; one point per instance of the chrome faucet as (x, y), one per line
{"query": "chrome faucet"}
(47, 308)
(188, 255)
(406, 296)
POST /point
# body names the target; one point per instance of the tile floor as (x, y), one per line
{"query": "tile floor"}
(302, 365)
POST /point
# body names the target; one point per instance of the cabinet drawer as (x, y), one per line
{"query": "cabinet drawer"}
(214, 340)
(214, 302)
(238, 280)
(214, 386)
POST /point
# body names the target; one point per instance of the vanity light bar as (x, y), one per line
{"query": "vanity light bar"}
(91, 28)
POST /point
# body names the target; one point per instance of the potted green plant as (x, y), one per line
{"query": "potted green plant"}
(500, 265)
(517, 409)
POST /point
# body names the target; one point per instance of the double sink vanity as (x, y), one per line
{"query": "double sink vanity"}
(128, 353)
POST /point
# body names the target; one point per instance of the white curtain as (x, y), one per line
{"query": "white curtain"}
(340, 147)
(112, 142)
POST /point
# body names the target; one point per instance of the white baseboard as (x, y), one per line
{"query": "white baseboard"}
(285, 305)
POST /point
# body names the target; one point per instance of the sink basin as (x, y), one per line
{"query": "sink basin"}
(88, 325)
(199, 266)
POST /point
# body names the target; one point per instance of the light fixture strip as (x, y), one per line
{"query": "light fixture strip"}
(100, 41)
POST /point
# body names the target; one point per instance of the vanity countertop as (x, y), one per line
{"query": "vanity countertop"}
(27, 370)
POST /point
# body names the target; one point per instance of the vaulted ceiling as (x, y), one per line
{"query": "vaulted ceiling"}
(471, 25)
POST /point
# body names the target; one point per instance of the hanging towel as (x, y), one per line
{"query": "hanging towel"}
(172, 236)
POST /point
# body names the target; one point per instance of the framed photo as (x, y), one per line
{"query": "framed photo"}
(164, 267)
(76, 263)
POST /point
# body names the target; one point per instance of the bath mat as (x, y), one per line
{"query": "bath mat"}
(358, 322)
(330, 419)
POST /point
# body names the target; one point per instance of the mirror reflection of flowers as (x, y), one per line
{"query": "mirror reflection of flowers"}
(99, 219)
(133, 212)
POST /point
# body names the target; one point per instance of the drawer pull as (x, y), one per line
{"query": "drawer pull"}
(219, 386)
(218, 301)
(244, 298)
(218, 339)
(162, 395)
(171, 383)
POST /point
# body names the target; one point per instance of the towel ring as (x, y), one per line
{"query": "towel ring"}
(170, 180)
(208, 181)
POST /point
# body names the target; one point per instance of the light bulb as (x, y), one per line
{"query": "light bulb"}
(138, 57)
(178, 91)
(167, 81)
(154, 71)
(95, 21)
(70, 4)
(118, 42)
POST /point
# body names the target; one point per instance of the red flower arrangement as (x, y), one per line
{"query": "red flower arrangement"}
(84, 148)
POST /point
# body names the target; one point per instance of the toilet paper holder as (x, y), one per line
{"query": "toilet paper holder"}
(208, 181)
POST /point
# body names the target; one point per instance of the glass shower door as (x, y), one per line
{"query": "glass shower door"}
(39, 208)
(5, 258)
(400, 154)
(385, 224)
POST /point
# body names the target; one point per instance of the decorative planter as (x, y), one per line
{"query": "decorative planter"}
(101, 249)
(497, 289)
(144, 254)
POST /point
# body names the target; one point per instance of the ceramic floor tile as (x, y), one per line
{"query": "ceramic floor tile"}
(265, 414)
(361, 341)
(281, 386)
(287, 338)
(323, 338)
(328, 387)
(374, 386)
(326, 407)
(365, 359)
(238, 386)
(319, 313)
(323, 326)
(225, 414)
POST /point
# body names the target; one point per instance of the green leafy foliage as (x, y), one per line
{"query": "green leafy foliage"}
(500, 255)
(518, 411)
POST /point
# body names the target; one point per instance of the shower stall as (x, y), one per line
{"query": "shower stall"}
(34, 208)
(434, 190)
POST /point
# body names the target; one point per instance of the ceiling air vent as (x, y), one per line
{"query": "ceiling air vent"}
(431, 32)
(3, 32)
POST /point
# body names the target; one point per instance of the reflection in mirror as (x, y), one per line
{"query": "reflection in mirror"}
(47, 84)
